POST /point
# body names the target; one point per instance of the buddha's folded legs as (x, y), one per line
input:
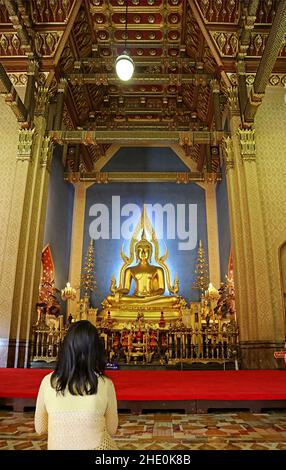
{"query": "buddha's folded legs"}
(136, 300)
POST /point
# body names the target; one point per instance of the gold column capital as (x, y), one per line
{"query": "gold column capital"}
(233, 101)
(247, 144)
(25, 144)
(46, 153)
(62, 85)
(42, 101)
(215, 86)
(228, 154)
(33, 66)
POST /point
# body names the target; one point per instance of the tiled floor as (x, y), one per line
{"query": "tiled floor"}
(162, 431)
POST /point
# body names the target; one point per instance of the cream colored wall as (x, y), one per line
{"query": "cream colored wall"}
(8, 147)
(270, 125)
(283, 267)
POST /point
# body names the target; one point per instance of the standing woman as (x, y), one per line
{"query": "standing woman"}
(76, 403)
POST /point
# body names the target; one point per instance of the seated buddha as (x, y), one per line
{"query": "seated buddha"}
(149, 284)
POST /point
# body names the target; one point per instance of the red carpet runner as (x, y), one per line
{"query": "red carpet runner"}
(165, 385)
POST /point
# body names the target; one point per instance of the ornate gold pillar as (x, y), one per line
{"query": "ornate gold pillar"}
(35, 150)
(268, 334)
(258, 339)
(77, 242)
(231, 155)
(241, 236)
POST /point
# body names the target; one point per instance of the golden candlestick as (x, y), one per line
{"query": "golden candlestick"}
(212, 293)
(68, 293)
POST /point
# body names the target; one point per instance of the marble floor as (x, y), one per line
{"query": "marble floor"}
(167, 431)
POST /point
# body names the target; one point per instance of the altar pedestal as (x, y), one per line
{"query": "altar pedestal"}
(126, 312)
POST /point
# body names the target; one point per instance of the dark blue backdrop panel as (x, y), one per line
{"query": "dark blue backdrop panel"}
(223, 225)
(58, 227)
(107, 251)
(145, 159)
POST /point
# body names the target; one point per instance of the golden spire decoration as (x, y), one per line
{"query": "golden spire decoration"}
(202, 270)
(87, 280)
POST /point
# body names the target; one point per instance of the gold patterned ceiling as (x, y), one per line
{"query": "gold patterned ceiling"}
(186, 55)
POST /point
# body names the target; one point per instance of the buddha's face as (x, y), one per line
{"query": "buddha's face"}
(143, 253)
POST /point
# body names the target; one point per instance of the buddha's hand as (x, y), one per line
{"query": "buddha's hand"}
(158, 292)
(122, 291)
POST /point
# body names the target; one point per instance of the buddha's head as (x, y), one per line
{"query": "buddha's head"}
(143, 249)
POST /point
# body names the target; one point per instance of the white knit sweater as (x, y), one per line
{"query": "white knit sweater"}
(75, 422)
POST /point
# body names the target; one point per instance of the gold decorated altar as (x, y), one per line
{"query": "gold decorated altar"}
(144, 320)
(148, 325)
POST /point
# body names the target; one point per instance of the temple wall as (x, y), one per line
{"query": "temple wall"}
(271, 169)
(8, 240)
(58, 224)
(223, 226)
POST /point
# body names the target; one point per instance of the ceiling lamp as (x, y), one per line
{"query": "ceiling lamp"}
(124, 64)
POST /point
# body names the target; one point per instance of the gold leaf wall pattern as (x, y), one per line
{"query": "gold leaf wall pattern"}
(9, 141)
(271, 167)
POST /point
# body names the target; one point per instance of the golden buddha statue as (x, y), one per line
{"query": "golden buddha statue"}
(149, 281)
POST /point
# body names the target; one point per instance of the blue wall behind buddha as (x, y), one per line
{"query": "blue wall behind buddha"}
(58, 227)
(145, 159)
(107, 252)
(223, 225)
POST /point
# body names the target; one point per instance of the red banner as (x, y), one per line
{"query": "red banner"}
(48, 264)
(47, 291)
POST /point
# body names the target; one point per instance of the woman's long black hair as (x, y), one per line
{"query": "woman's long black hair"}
(81, 360)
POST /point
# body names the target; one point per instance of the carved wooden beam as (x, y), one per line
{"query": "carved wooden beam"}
(86, 157)
(19, 25)
(64, 38)
(247, 20)
(138, 177)
(71, 108)
(209, 41)
(32, 74)
(142, 137)
(164, 79)
(179, 62)
(11, 96)
(208, 158)
(90, 21)
(248, 17)
(60, 104)
(216, 105)
(268, 59)
(202, 158)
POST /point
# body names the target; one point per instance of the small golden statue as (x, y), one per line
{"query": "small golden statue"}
(149, 281)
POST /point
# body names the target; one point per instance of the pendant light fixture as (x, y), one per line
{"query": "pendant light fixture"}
(124, 64)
